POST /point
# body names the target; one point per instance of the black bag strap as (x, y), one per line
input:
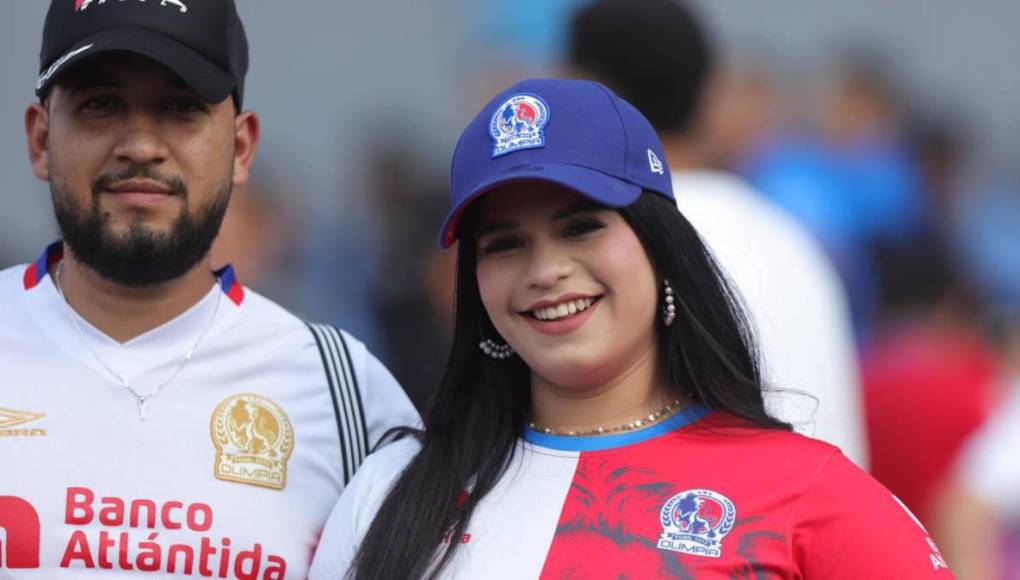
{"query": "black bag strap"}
(343, 389)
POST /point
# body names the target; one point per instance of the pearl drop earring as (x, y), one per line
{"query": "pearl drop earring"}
(668, 309)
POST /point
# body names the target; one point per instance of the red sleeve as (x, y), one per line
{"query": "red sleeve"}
(848, 526)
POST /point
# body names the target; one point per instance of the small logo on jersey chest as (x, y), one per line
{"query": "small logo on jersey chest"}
(695, 522)
(10, 418)
(254, 440)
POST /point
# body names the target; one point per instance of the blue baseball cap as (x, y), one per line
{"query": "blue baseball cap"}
(577, 134)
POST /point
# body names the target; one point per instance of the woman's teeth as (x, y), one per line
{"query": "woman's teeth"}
(564, 309)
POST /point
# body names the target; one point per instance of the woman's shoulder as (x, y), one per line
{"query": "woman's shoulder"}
(353, 514)
(387, 462)
(365, 492)
(727, 433)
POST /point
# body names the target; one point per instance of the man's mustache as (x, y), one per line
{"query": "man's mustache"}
(106, 181)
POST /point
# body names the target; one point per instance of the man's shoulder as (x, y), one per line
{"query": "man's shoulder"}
(264, 317)
(13, 278)
(12, 286)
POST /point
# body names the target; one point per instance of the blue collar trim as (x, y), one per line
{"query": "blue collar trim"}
(692, 414)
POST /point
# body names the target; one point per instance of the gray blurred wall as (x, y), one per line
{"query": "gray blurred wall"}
(323, 73)
(951, 55)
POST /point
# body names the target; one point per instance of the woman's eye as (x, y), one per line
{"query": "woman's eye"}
(582, 227)
(499, 245)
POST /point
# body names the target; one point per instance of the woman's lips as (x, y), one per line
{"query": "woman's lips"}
(564, 324)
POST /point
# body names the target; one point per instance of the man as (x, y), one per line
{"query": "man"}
(655, 55)
(156, 416)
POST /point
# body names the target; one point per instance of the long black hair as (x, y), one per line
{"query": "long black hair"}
(480, 409)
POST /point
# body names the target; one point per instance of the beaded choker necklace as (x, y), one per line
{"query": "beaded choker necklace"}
(647, 421)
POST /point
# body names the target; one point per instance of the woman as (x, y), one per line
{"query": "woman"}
(601, 414)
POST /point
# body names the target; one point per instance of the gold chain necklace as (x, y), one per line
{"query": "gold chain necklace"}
(649, 420)
(142, 400)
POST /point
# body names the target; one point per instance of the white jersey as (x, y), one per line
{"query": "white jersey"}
(795, 300)
(234, 470)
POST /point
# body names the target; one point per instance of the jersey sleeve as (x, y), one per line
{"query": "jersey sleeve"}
(383, 400)
(354, 512)
(848, 526)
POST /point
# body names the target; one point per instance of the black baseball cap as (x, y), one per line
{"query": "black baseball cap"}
(202, 41)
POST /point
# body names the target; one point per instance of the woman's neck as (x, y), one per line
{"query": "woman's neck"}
(631, 395)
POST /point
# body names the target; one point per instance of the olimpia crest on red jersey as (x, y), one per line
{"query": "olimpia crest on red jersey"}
(695, 522)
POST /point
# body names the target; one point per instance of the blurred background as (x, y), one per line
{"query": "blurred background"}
(890, 130)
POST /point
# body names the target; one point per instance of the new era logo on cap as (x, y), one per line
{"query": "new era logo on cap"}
(654, 163)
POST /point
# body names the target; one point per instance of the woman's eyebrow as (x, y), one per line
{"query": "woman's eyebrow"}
(490, 227)
(579, 207)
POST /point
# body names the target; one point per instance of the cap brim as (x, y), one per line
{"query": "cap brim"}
(594, 185)
(212, 83)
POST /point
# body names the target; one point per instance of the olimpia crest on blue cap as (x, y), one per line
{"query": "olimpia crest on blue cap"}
(519, 123)
(576, 134)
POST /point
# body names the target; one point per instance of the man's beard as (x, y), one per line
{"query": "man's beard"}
(141, 256)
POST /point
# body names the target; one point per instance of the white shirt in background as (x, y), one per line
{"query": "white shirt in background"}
(794, 298)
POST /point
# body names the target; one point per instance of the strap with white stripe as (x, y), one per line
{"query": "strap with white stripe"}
(343, 389)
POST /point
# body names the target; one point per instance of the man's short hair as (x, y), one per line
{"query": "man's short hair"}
(652, 53)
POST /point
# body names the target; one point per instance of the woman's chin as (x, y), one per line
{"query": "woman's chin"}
(575, 376)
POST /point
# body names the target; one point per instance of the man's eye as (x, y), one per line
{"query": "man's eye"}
(582, 227)
(184, 106)
(499, 245)
(98, 105)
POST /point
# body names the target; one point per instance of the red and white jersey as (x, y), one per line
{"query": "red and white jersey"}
(232, 474)
(710, 499)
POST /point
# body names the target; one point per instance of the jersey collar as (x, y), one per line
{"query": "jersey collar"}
(37, 271)
(691, 414)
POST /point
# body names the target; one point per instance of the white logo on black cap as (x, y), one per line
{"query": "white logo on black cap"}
(83, 5)
(655, 163)
(59, 63)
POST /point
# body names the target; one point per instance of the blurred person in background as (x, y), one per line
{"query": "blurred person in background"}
(656, 54)
(976, 210)
(930, 377)
(849, 176)
(741, 109)
(979, 518)
(257, 237)
(412, 295)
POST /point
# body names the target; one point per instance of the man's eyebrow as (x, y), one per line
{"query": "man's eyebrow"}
(101, 78)
(90, 79)
(177, 82)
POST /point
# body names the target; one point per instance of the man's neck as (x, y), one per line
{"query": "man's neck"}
(122, 312)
